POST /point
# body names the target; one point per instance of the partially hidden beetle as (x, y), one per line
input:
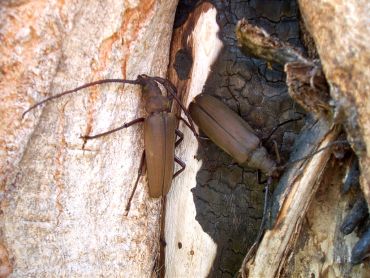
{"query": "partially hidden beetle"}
(159, 132)
(231, 133)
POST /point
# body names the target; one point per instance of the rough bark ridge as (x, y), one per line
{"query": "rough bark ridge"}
(341, 32)
(62, 206)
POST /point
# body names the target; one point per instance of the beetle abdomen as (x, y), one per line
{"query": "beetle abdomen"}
(159, 138)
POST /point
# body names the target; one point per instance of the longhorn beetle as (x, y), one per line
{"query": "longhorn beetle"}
(234, 135)
(159, 131)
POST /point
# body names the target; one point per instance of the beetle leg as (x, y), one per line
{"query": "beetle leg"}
(182, 164)
(264, 140)
(138, 120)
(262, 228)
(259, 177)
(277, 153)
(181, 137)
(189, 126)
(139, 173)
(170, 88)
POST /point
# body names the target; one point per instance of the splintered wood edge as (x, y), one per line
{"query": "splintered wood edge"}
(277, 243)
(190, 252)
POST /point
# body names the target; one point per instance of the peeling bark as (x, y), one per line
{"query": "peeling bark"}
(341, 32)
(190, 251)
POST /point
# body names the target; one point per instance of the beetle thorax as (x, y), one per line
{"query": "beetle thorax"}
(152, 94)
(156, 103)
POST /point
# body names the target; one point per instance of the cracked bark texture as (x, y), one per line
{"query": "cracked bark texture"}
(228, 200)
(62, 207)
(231, 214)
(316, 247)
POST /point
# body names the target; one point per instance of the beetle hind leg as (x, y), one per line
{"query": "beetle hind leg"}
(182, 164)
(139, 173)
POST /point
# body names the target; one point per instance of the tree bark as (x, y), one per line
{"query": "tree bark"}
(225, 199)
(63, 203)
(190, 251)
(306, 238)
(341, 32)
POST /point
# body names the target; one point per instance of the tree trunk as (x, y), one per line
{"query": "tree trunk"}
(63, 203)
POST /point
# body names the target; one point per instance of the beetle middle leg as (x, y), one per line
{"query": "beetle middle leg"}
(181, 137)
(182, 164)
(178, 160)
(126, 125)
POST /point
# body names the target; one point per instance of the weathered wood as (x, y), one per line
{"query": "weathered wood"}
(278, 243)
(316, 246)
(342, 35)
(63, 206)
(228, 200)
(190, 251)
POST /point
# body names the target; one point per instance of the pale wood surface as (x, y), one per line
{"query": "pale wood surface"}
(190, 251)
(63, 207)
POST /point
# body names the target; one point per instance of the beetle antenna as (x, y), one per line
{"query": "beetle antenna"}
(173, 91)
(278, 126)
(102, 81)
(313, 153)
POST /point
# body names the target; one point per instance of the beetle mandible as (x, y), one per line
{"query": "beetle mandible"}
(159, 131)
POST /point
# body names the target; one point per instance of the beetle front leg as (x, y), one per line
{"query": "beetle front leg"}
(170, 88)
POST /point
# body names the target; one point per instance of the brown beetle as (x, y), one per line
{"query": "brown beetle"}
(159, 132)
(231, 133)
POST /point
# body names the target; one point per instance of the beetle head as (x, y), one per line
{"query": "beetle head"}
(152, 94)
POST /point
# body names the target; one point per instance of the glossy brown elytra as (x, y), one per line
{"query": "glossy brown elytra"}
(159, 131)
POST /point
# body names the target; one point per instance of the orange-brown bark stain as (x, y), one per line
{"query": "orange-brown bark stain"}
(133, 19)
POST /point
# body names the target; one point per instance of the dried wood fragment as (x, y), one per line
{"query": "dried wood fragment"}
(305, 79)
(341, 33)
(287, 251)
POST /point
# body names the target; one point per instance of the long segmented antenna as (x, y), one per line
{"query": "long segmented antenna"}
(172, 90)
(339, 142)
(102, 81)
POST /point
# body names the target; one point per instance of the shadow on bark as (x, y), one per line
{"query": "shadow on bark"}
(228, 199)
